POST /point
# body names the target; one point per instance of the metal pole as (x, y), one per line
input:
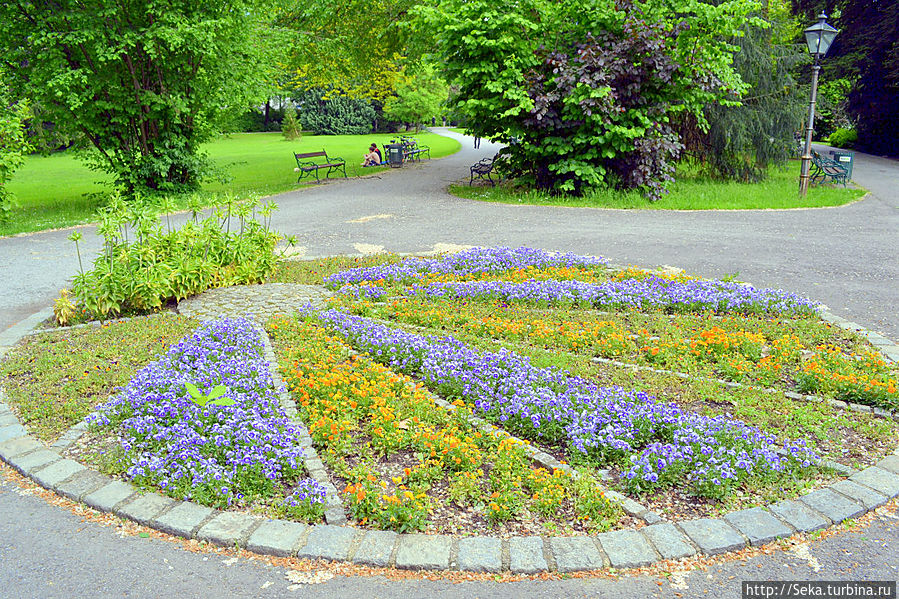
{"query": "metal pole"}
(807, 151)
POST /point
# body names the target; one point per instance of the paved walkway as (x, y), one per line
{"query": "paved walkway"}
(846, 257)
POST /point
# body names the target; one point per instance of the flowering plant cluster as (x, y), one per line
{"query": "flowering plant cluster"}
(720, 347)
(658, 445)
(361, 412)
(649, 294)
(233, 450)
(465, 265)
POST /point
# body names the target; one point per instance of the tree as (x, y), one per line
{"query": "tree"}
(355, 48)
(585, 92)
(142, 83)
(290, 126)
(869, 39)
(14, 145)
(419, 96)
(756, 130)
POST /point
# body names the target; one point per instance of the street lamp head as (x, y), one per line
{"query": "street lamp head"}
(819, 37)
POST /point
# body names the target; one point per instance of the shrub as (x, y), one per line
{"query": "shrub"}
(335, 115)
(290, 126)
(159, 265)
(843, 138)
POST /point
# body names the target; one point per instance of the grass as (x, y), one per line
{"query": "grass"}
(55, 379)
(59, 191)
(689, 192)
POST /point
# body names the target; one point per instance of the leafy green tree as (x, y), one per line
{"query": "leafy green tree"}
(14, 145)
(418, 97)
(585, 93)
(143, 83)
(755, 130)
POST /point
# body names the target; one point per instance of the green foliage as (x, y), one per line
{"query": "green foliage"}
(327, 114)
(159, 265)
(14, 145)
(743, 139)
(867, 52)
(584, 95)
(290, 126)
(832, 106)
(418, 97)
(143, 84)
(843, 138)
(214, 396)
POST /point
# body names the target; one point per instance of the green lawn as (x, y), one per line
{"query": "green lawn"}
(689, 192)
(59, 191)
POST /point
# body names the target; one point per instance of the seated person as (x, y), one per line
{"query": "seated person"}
(373, 158)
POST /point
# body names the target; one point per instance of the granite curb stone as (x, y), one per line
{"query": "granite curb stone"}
(228, 529)
(184, 519)
(107, 497)
(833, 505)
(277, 537)
(18, 446)
(799, 516)
(480, 554)
(376, 548)
(759, 526)
(50, 476)
(573, 554)
(890, 463)
(145, 508)
(424, 552)
(670, 542)
(878, 479)
(859, 493)
(627, 549)
(28, 463)
(526, 555)
(328, 542)
(83, 483)
(12, 431)
(713, 536)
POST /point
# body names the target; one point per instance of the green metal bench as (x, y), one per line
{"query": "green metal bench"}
(825, 168)
(306, 166)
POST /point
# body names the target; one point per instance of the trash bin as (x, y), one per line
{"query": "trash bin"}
(395, 155)
(844, 157)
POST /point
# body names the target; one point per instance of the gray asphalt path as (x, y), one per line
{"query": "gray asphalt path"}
(845, 257)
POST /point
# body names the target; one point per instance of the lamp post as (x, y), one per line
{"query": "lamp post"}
(818, 37)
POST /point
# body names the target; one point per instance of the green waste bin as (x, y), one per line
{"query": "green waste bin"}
(395, 155)
(844, 157)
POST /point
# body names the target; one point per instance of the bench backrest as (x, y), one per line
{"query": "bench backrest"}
(311, 155)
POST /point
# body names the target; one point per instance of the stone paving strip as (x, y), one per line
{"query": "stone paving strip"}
(862, 491)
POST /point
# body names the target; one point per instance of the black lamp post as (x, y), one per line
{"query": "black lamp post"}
(818, 37)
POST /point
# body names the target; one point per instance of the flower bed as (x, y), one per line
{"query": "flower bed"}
(227, 443)
(659, 445)
(406, 464)
(754, 350)
(661, 451)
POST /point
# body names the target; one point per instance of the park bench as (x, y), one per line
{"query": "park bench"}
(484, 167)
(825, 168)
(412, 150)
(306, 165)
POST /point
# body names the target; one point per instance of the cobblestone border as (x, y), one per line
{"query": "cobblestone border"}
(861, 492)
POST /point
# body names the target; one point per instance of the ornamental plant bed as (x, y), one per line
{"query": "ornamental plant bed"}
(510, 334)
(406, 464)
(204, 423)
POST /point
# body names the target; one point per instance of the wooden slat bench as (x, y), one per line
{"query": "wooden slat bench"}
(306, 166)
(825, 168)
